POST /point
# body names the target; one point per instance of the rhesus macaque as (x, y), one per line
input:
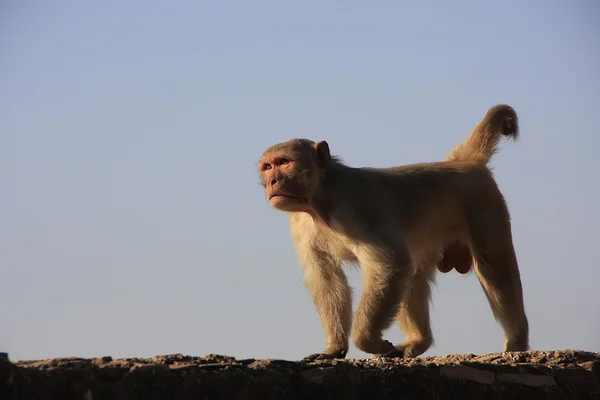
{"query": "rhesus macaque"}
(399, 224)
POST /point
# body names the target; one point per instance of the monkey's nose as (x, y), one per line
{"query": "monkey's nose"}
(273, 182)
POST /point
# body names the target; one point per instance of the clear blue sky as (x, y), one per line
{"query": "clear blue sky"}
(132, 221)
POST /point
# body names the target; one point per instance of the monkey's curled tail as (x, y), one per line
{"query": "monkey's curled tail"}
(482, 143)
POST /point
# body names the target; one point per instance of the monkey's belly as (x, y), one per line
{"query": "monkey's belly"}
(457, 256)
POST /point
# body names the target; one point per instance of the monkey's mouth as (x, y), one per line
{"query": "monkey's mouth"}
(280, 199)
(285, 195)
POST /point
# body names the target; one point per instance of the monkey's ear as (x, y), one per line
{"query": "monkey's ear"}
(323, 155)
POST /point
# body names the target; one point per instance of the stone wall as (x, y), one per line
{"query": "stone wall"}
(527, 375)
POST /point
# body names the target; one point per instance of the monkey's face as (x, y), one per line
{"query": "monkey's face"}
(290, 174)
(287, 182)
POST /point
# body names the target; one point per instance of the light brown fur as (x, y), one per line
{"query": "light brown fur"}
(398, 223)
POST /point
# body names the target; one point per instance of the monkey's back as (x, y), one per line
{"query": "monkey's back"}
(426, 197)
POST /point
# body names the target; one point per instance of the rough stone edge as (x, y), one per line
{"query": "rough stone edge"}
(563, 370)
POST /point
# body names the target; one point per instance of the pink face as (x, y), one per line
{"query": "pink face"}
(281, 178)
(291, 173)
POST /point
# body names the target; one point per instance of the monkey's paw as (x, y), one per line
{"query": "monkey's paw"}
(407, 350)
(325, 356)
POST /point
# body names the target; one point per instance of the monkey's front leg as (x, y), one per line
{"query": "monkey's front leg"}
(332, 297)
(381, 297)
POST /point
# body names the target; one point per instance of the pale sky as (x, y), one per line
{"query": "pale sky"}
(132, 220)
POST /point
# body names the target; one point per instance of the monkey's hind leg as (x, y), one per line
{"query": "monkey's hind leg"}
(498, 273)
(413, 316)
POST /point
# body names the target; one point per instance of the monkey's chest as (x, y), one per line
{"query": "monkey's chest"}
(344, 253)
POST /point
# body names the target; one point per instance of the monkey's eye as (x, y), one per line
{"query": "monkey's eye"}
(284, 161)
(267, 166)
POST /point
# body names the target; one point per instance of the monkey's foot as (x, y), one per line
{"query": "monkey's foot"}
(408, 349)
(518, 343)
(329, 355)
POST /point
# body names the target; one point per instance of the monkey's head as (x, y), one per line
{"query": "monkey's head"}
(291, 173)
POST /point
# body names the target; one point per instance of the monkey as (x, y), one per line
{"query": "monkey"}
(398, 223)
